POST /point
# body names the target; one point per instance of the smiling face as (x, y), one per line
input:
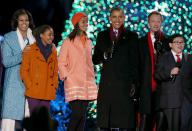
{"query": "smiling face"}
(23, 23)
(155, 23)
(47, 37)
(83, 24)
(177, 45)
(117, 18)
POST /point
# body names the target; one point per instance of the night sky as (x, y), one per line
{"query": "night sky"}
(52, 12)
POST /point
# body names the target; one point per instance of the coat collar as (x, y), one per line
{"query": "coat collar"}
(171, 58)
(112, 35)
(121, 37)
(40, 56)
(14, 42)
(78, 43)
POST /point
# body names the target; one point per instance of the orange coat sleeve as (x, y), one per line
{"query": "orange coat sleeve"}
(25, 69)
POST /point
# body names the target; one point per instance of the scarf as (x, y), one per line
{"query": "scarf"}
(154, 84)
(120, 30)
(45, 50)
(21, 40)
(83, 39)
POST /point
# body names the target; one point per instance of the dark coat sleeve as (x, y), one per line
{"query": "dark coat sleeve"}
(135, 59)
(160, 74)
(165, 44)
(98, 55)
(186, 76)
(135, 66)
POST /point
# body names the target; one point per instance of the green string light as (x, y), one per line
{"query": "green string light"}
(178, 21)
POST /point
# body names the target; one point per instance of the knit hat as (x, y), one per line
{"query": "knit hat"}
(77, 16)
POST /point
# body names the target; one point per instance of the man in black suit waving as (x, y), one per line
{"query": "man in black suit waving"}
(116, 49)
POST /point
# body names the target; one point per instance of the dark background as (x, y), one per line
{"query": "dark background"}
(52, 12)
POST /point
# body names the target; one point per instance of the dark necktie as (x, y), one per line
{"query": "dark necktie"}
(115, 33)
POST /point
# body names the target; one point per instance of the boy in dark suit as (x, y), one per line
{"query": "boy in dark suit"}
(167, 75)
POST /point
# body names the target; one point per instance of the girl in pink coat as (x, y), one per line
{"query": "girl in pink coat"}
(76, 69)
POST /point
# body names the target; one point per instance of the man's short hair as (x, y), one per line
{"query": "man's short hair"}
(116, 9)
(154, 13)
(175, 36)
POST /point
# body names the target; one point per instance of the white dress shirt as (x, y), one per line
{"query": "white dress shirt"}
(153, 41)
(175, 57)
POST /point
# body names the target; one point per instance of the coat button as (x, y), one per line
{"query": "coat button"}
(37, 75)
(51, 67)
(51, 84)
(51, 76)
(37, 84)
(37, 57)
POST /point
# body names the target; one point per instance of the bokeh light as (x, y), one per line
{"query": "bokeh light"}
(177, 15)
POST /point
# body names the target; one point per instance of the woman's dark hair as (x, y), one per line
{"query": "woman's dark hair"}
(76, 31)
(17, 13)
(40, 29)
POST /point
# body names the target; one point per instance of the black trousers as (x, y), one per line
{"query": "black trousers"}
(173, 118)
(78, 116)
(147, 121)
(186, 115)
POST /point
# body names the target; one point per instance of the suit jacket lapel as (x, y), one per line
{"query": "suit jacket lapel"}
(107, 39)
(122, 37)
(183, 58)
(171, 59)
(146, 47)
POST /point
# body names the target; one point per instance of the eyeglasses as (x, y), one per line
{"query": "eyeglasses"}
(178, 42)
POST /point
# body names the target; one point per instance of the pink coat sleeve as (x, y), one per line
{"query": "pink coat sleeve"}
(63, 59)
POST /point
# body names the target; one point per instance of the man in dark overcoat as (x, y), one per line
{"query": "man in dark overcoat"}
(151, 46)
(116, 49)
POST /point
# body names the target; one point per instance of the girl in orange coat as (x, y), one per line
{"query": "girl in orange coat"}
(76, 68)
(39, 69)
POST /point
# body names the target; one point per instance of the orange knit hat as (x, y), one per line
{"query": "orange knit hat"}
(76, 17)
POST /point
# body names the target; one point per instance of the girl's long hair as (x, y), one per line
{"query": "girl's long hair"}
(76, 31)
